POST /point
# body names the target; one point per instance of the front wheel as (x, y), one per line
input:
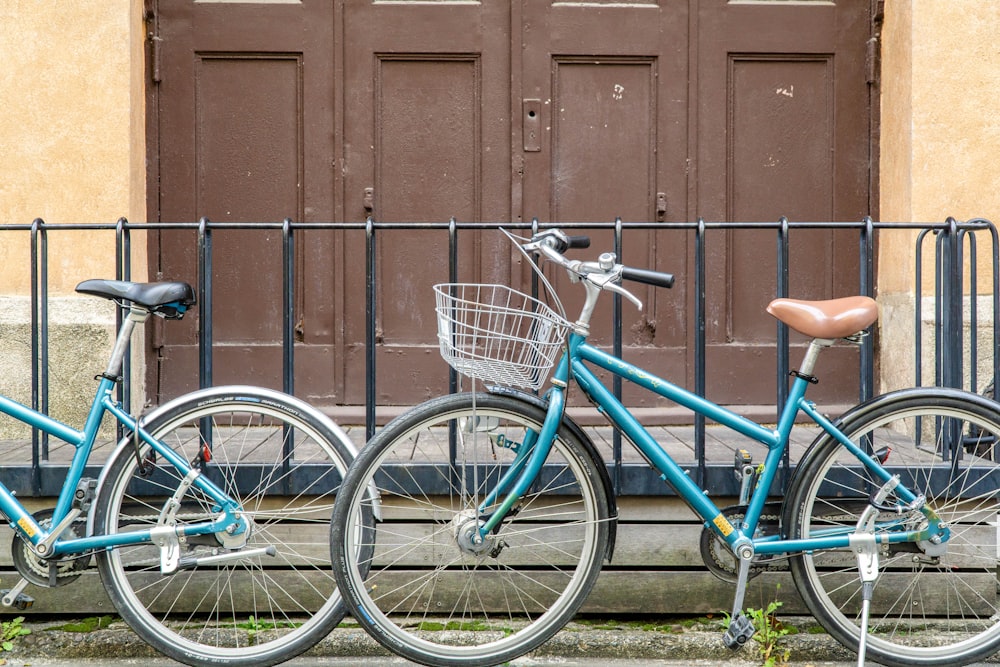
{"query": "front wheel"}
(436, 593)
(934, 604)
(283, 463)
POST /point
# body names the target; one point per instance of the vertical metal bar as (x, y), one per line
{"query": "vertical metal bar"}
(940, 250)
(205, 320)
(953, 318)
(616, 386)
(918, 307)
(781, 291)
(288, 302)
(783, 340)
(951, 328)
(123, 270)
(36, 470)
(995, 255)
(205, 303)
(534, 275)
(453, 471)
(699, 347)
(452, 278)
(287, 345)
(370, 305)
(996, 307)
(43, 305)
(973, 305)
(866, 389)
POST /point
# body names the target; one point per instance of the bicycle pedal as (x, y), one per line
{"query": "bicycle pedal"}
(21, 602)
(738, 633)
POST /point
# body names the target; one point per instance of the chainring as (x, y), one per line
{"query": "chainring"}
(722, 562)
(50, 572)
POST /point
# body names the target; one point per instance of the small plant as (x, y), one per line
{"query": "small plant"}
(768, 634)
(254, 626)
(11, 630)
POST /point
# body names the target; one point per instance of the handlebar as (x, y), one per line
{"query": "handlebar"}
(605, 273)
(654, 278)
(552, 243)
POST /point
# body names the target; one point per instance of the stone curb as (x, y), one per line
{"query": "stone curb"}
(578, 640)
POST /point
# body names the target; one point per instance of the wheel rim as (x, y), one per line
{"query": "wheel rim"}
(507, 593)
(956, 582)
(241, 610)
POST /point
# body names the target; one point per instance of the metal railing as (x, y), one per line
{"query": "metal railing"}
(951, 263)
(956, 289)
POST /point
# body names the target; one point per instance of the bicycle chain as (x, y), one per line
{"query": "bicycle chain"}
(39, 570)
(721, 562)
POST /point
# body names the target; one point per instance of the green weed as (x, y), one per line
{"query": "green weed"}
(768, 635)
(254, 626)
(10, 631)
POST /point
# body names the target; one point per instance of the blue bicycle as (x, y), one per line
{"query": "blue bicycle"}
(209, 522)
(493, 511)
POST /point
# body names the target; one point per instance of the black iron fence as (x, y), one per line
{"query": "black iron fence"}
(955, 263)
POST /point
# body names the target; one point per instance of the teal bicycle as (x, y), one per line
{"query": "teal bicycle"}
(493, 511)
(209, 522)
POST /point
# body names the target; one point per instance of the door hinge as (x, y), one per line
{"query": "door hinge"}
(872, 60)
(154, 40)
(154, 57)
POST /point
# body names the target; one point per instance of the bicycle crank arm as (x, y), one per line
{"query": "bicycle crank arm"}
(193, 562)
(15, 597)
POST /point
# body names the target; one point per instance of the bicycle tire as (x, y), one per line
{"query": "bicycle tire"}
(251, 612)
(931, 605)
(431, 595)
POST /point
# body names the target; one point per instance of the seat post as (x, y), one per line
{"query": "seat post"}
(136, 315)
(812, 354)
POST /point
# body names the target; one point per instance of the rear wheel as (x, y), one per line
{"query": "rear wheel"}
(436, 595)
(934, 604)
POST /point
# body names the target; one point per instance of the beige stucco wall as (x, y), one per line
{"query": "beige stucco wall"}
(940, 143)
(72, 149)
(72, 130)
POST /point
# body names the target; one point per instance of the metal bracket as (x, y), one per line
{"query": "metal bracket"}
(165, 537)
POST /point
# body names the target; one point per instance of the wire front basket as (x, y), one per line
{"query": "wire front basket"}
(496, 334)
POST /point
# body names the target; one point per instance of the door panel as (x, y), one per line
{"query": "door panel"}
(783, 131)
(613, 85)
(427, 129)
(245, 134)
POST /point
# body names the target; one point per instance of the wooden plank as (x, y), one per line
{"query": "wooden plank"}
(616, 592)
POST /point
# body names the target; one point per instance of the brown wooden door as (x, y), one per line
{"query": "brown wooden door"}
(782, 130)
(427, 132)
(572, 112)
(244, 133)
(611, 85)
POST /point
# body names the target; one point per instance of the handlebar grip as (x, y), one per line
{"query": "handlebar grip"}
(578, 241)
(648, 277)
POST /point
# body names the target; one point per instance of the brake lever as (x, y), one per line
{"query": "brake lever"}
(609, 282)
(614, 287)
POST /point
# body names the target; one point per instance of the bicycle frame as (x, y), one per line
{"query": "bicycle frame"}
(532, 455)
(84, 441)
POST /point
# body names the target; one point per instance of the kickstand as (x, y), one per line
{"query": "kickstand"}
(865, 548)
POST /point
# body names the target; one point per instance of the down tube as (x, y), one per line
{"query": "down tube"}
(670, 472)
